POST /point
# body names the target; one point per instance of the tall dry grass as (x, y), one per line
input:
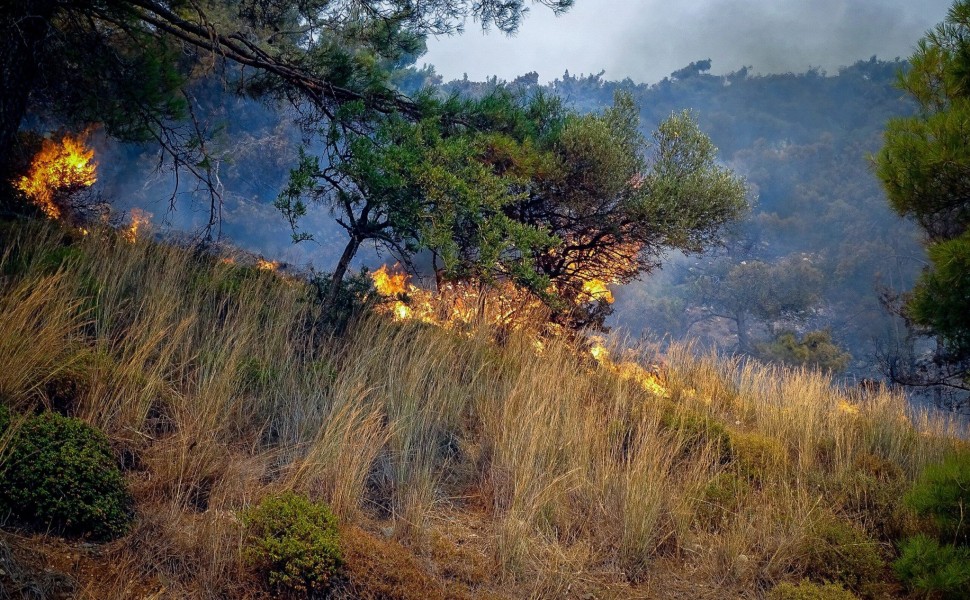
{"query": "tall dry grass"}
(216, 388)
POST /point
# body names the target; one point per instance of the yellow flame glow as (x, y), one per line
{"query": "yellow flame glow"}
(59, 167)
(140, 219)
(267, 265)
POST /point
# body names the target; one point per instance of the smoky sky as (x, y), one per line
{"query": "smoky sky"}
(646, 40)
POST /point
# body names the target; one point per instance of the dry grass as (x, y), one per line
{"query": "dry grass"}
(561, 476)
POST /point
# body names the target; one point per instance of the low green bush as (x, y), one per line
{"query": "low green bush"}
(939, 565)
(294, 543)
(938, 570)
(757, 456)
(839, 551)
(59, 474)
(721, 497)
(698, 431)
(806, 590)
(943, 493)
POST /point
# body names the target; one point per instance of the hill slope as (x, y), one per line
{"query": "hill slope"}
(458, 465)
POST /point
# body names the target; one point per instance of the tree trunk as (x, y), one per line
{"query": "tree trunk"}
(24, 28)
(341, 270)
(743, 340)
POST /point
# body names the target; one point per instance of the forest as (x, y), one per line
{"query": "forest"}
(285, 314)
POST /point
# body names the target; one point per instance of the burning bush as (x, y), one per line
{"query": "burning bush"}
(58, 171)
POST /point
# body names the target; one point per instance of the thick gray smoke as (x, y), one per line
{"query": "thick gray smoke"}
(647, 39)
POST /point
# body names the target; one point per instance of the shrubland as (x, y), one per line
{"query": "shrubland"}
(415, 461)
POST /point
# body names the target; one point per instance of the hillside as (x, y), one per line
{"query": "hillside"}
(460, 463)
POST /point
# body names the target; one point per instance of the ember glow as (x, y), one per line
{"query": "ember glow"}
(140, 220)
(630, 370)
(456, 304)
(267, 265)
(59, 168)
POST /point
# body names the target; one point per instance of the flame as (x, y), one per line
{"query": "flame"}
(455, 305)
(267, 265)
(59, 168)
(140, 219)
(599, 352)
(629, 370)
(389, 284)
(595, 289)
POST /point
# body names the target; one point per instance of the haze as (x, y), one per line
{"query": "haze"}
(646, 40)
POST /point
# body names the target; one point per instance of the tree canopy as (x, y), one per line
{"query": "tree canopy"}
(925, 169)
(508, 186)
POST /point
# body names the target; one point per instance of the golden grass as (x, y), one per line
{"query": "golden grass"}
(214, 384)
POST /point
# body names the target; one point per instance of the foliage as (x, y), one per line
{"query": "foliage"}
(756, 456)
(924, 167)
(767, 292)
(353, 299)
(943, 493)
(839, 551)
(135, 66)
(807, 590)
(60, 474)
(942, 570)
(293, 541)
(697, 432)
(722, 497)
(613, 208)
(815, 349)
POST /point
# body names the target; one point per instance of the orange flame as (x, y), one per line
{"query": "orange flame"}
(140, 219)
(595, 289)
(389, 284)
(59, 167)
(267, 265)
(629, 370)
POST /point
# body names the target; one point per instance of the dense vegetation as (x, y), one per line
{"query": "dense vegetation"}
(924, 166)
(820, 245)
(197, 422)
(452, 465)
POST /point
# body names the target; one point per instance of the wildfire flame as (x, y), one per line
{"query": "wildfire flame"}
(267, 265)
(595, 289)
(59, 167)
(140, 219)
(389, 284)
(650, 382)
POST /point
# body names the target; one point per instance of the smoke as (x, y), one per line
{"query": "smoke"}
(646, 40)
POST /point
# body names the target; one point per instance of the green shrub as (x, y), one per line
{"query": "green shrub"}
(934, 569)
(4, 418)
(294, 543)
(870, 493)
(943, 494)
(59, 474)
(721, 497)
(698, 431)
(838, 551)
(806, 590)
(756, 456)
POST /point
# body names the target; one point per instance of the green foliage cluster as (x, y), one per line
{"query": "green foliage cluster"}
(59, 473)
(930, 567)
(815, 349)
(757, 456)
(294, 543)
(839, 551)
(807, 590)
(925, 168)
(940, 564)
(697, 432)
(722, 497)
